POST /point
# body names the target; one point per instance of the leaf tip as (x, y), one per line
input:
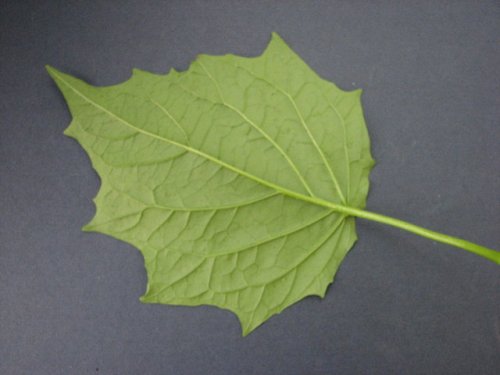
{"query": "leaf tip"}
(91, 226)
(246, 329)
(68, 132)
(49, 68)
(275, 35)
(173, 72)
(276, 39)
(278, 45)
(53, 72)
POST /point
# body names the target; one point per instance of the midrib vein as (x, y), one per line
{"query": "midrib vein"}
(280, 189)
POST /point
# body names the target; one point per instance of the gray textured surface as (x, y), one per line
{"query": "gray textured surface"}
(400, 304)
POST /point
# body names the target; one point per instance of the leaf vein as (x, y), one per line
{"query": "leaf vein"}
(272, 238)
(231, 167)
(259, 129)
(305, 126)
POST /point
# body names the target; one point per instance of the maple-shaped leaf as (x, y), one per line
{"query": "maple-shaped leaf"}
(237, 179)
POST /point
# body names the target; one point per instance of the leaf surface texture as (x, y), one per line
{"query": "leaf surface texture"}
(208, 173)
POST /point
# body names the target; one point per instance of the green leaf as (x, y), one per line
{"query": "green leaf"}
(237, 179)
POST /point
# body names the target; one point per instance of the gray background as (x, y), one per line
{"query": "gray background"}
(69, 301)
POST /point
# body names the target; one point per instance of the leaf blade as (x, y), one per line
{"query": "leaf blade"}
(214, 177)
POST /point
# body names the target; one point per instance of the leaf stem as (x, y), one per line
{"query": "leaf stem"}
(490, 254)
(482, 251)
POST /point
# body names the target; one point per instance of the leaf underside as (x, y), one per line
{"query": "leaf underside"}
(203, 171)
